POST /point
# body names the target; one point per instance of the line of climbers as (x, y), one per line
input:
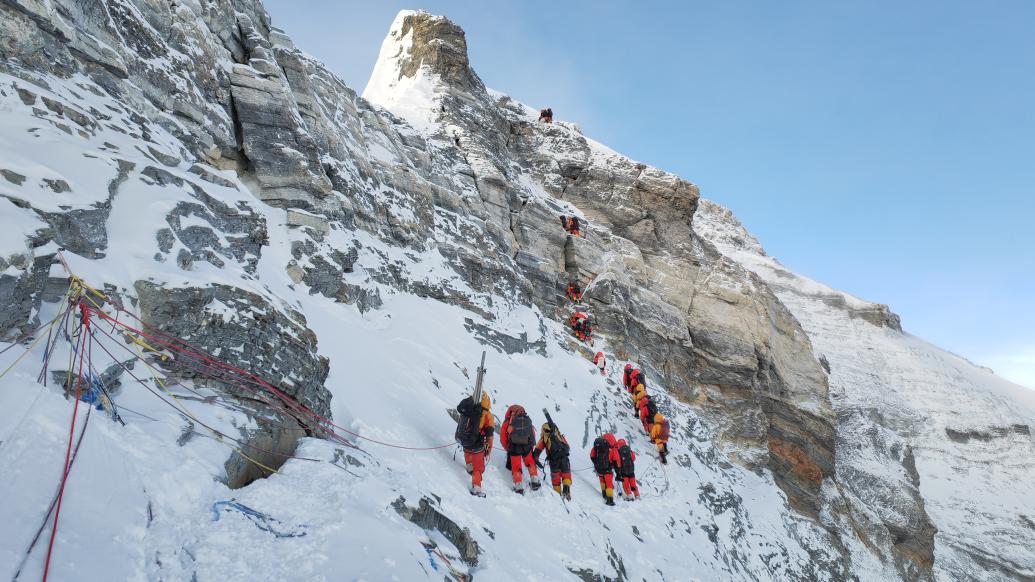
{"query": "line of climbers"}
(613, 458)
(475, 433)
(654, 423)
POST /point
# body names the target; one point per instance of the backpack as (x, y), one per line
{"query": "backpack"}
(625, 454)
(558, 448)
(574, 222)
(663, 430)
(564, 222)
(520, 430)
(467, 427)
(601, 455)
(652, 409)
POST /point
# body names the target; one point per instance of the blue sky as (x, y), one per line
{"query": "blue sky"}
(884, 148)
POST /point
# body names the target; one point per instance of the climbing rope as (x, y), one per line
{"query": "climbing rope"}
(244, 379)
(71, 434)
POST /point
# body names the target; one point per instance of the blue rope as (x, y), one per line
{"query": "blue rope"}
(261, 520)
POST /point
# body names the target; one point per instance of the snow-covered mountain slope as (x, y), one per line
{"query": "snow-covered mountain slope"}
(965, 432)
(225, 188)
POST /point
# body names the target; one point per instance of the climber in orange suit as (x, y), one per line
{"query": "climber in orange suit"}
(659, 434)
(475, 433)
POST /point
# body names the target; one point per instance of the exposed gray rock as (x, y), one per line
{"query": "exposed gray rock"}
(12, 177)
(246, 331)
(504, 342)
(428, 517)
(271, 445)
(21, 294)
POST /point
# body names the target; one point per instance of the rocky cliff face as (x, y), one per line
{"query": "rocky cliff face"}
(907, 414)
(235, 193)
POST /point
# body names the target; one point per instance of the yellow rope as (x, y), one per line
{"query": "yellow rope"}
(76, 286)
(76, 280)
(136, 340)
(50, 326)
(180, 404)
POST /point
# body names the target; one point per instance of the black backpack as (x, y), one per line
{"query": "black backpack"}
(558, 448)
(625, 454)
(467, 433)
(641, 378)
(520, 430)
(601, 455)
(574, 222)
(652, 409)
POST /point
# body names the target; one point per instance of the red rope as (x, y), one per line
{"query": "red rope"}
(71, 435)
(251, 378)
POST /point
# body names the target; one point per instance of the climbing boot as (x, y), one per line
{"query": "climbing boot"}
(519, 488)
(610, 501)
(566, 492)
(535, 483)
(476, 490)
(557, 488)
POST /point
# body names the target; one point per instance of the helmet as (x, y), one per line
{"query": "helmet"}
(659, 417)
(546, 428)
(486, 403)
(628, 366)
(622, 443)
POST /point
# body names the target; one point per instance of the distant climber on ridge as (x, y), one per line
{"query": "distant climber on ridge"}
(574, 291)
(578, 322)
(517, 435)
(546, 115)
(637, 378)
(639, 393)
(557, 455)
(474, 432)
(601, 362)
(648, 408)
(659, 434)
(626, 378)
(605, 460)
